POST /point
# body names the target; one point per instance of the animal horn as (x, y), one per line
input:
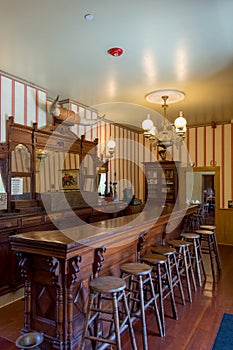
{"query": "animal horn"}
(54, 105)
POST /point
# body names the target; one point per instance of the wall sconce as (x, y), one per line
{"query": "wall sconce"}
(108, 154)
(41, 154)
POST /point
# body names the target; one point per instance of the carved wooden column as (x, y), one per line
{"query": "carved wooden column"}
(26, 273)
(54, 268)
(73, 269)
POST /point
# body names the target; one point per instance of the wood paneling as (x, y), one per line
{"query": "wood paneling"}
(224, 222)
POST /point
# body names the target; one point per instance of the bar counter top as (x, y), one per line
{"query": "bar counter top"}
(119, 230)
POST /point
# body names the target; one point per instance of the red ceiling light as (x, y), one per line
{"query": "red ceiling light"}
(115, 51)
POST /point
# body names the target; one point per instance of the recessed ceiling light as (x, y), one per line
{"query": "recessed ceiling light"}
(89, 17)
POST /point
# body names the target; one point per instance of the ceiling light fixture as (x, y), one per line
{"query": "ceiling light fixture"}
(115, 51)
(168, 134)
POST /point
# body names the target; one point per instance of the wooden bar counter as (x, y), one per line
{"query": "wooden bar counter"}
(57, 265)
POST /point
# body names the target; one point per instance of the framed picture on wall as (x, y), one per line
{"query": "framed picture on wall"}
(69, 179)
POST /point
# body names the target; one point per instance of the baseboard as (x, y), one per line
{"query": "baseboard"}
(11, 297)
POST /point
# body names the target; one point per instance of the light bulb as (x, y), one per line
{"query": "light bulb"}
(180, 122)
(147, 124)
(111, 144)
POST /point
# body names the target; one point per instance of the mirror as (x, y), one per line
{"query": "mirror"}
(51, 168)
(102, 173)
(88, 173)
(3, 184)
(21, 159)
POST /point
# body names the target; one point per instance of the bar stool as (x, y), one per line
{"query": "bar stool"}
(173, 270)
(209, 246)
(112, 289)
(162, 280)
(206, 211)
(139, 282)
(198, 218)
(184, 263)
(196, 254)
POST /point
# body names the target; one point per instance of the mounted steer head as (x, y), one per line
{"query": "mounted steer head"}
(69, 115)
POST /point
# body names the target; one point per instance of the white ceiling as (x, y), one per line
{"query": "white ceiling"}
(180, 44)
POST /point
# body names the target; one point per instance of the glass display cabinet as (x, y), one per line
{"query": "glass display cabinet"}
(161, 181)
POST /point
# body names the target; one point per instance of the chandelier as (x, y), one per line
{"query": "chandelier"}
(167, 134)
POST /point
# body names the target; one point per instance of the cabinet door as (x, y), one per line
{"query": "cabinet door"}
(152, 177)
(169, 184)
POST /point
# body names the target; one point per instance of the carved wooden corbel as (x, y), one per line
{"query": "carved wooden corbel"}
(24, 265)
(98, 260)
(73, 270)
(140, 244)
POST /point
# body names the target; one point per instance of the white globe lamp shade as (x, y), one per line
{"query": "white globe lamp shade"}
(180, 122)
(147, 124)
(111, 144)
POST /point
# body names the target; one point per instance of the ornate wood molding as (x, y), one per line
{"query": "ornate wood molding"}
(98, 260)
(140, 244)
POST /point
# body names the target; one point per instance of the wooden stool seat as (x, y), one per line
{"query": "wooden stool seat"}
(208, 227)
(154, 258)
(179, 243)
(204, 232)
(107, 284)
(190, 235)
(136, 269)
(163, 249)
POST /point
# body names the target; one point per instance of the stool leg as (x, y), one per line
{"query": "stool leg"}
(116, 321)
(191, 269)
(217, 254)
(197, 260)
(143, 318)
(88, 315)
(187, 267)
(187, 276)
(210, 245)
(171, 292)
(160, 288)
(131, 331)
(179, 280)
(157, 314)
(201, 257)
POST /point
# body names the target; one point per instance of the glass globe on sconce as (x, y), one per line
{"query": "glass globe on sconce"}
(111, 144)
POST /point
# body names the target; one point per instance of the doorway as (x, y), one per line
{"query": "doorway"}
(202, 186)
(208, 190)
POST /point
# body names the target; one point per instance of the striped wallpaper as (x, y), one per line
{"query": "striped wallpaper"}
(212, 146)
(205, 145)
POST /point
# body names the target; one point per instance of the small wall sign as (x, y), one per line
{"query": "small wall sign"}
(16, 186)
